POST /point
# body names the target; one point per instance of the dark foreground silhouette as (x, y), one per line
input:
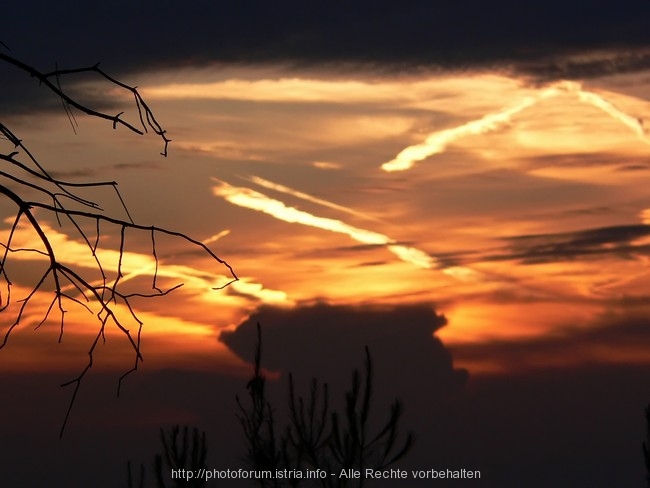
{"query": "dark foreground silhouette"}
(316, 439)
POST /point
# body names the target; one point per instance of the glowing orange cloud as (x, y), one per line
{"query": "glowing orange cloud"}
(167, 340)
(305, 90)
(134, 265)
(438, 141)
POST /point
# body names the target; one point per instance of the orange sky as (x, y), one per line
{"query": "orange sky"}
(462, 190)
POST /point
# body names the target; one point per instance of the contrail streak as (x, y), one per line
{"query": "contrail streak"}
(437, 142)
(634, 123)
(216, 237)
(307, 197)
(247, 198)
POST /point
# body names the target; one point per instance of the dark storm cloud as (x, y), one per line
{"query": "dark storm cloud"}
(327, 342)
(133, 35)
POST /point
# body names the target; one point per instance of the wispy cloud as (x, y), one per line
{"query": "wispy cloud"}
(216, 237)
(136, 265)
(296, 90)
(437, 142)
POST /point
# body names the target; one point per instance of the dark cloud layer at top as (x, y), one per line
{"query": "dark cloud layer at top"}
(131, 35)
(548, 41)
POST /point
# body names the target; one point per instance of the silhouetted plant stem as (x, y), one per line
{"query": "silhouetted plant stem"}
(182, 454)
(646, 445)
(317, 438)
(258, 424)
(129, 475)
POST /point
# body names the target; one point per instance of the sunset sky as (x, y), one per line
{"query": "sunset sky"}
(462, 188)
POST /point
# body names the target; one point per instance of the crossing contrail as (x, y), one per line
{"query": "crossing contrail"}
(438, 141)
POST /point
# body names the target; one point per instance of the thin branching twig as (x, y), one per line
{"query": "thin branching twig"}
(22, 176)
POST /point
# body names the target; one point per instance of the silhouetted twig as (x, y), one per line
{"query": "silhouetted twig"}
(22, 176)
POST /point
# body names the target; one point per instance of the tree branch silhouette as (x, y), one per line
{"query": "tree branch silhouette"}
(22, 175)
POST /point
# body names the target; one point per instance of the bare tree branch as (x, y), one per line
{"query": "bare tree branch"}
(147, 119)
(22, 175)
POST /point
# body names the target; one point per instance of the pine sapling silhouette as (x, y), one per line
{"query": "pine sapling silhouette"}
(263, 451)
(183, 460)
(308, 434)
(646, 445)
(182, 456)
(352, 445)
(316, 437)
(129, 476)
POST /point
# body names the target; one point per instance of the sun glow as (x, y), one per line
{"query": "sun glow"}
(492, 227)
